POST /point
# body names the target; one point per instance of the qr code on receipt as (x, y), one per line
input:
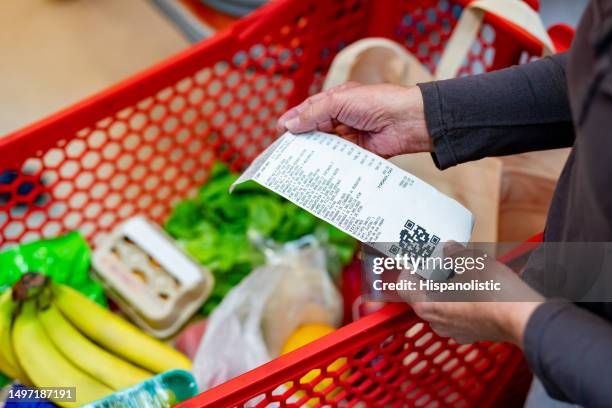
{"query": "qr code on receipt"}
(415, 241)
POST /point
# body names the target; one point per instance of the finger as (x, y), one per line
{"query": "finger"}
(440, 330)
(290, 114)
(413, 295)
(296, 110)
(453, 248)
(318, 112)
(464, 340)
(348, 133)
(345, 86)
(353, 139)
(339, 88)
(351, 134)
(344, 130)
(425, 310)
(326, 126)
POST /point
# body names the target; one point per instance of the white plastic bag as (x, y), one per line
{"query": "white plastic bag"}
(257, 316)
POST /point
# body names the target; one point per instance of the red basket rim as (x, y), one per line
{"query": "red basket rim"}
(45, 132)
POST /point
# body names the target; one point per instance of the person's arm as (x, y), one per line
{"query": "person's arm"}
(514, 110)
(570, 350)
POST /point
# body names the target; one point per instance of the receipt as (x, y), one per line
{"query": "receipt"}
(360, 193)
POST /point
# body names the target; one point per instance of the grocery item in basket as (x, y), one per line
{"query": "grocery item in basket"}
(307, 334)
(54, 329)
(9, 365)
(66, 259)
(302, 293)
(216, 229)
(361, 194)
(257, 317)
(157, 284)
(189, 338)
(88, 356)
(162, 391)
(116, 334)
(44, 364)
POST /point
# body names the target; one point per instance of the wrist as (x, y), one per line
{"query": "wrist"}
(422, 137)
(513, 320)
(414, 115)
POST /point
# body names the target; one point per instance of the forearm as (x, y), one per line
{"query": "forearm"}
(518, 109)
(570, 350)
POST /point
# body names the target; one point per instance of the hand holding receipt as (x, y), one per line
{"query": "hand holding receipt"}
(360, 193)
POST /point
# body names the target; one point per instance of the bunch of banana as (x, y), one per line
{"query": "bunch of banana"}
(53, 336)
(8, 361)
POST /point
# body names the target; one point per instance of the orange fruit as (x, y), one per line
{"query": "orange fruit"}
(306, 334)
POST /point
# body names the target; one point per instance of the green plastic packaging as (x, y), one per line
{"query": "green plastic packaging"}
(65, 259)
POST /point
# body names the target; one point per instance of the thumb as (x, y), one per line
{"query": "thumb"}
(453, 248)
(413, 294)
(316, 111)
(316, 115)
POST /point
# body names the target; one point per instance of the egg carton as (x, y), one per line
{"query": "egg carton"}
(150, 277)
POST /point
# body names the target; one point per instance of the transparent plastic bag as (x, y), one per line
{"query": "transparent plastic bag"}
(256, 317)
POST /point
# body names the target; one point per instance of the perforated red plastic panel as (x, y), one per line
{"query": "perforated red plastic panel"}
(145, 144)
(390, 359)
(144, 157)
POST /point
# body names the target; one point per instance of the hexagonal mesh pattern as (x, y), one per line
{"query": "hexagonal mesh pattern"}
(400, 363)
(425, 28)
(144, 156)
(389, 374)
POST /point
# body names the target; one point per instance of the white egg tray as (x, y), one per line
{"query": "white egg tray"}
(150, 278)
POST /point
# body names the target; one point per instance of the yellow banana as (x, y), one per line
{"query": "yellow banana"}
(89, 357)
(45, 365)
(116, 334)
(8, 362)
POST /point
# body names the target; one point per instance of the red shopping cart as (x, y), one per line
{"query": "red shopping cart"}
(143, 145)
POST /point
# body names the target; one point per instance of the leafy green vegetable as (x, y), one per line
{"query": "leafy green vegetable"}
(65, 259)
(213, 227)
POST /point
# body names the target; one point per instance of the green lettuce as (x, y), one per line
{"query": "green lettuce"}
(213, 227)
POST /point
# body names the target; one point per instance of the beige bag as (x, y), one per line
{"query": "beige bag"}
(528, 183)
(477, 185)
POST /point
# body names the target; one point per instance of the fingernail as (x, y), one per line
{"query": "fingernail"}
(292, 124)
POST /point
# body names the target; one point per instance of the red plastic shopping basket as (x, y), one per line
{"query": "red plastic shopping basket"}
(148, 142)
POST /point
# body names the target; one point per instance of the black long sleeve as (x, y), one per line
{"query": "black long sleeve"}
(570, 350)
(561, 101)
(514, 110)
